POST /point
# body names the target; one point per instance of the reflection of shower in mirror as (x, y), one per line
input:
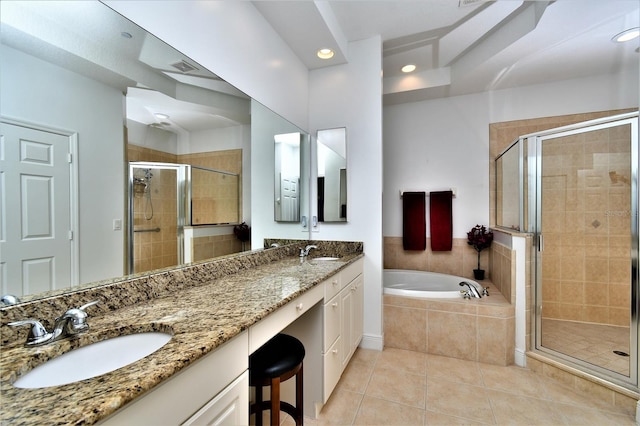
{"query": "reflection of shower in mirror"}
(142, 187)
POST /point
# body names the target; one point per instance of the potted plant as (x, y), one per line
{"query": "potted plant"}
(243, 233)
(480, 238)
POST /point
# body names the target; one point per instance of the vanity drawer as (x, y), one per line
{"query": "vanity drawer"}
(332, 310)
(332, 286)
(349, 273)
(262, 331)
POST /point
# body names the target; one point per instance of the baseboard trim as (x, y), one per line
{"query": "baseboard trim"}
(372, 341)
(520, 358)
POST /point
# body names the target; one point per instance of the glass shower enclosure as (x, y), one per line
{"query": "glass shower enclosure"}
(575, 190)
(157, 215)
(166, 197)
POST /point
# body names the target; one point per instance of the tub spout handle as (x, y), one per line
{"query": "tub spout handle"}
(485, 291)
(471, 289)
(465, 294)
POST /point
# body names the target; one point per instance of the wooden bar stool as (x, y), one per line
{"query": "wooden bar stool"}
(276, 361)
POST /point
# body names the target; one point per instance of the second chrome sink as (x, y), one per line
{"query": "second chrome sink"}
(93, 360)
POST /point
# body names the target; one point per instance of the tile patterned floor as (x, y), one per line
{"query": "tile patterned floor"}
(399, 387)
(593, 343)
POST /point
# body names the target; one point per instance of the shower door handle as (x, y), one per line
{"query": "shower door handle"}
(540, 242)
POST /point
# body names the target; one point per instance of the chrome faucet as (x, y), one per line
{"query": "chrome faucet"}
(472, 292)
(305, 251)
(9, 299)
(72, 322)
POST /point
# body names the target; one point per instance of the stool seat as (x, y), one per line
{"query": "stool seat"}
(278, 356)
(276, 361)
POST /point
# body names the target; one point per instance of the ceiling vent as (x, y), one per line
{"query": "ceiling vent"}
(465, 3)
(184, 66)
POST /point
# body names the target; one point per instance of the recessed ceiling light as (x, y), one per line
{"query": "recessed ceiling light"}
(408, 68)
(626, 35)
(161, 116)
(325, 53)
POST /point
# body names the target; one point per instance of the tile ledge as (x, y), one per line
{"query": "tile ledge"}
(581, 374)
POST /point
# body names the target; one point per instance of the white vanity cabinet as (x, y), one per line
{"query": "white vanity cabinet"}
(328, 319)
(343, 322)
(213, 390)
(351, 318)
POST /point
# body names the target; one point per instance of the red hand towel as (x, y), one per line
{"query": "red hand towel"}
(414, 225)
(441, 220)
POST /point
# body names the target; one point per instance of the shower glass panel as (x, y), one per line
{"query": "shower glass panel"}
(587, 244)
(215, 196)
(510, 187)
(156, 215)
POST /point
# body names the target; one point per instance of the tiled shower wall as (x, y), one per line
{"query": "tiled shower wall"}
(586, 214)
(589, 289)
(214, 246)
(154, 250)
(220, 199)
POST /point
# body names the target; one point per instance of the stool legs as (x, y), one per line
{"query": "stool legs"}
(274, 405)
(299, 399)
(275, 401)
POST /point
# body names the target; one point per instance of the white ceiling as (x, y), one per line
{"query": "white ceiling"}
(457, 49)
(461, 49)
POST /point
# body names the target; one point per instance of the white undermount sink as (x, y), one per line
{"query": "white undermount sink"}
(93, 360)
(325, 258)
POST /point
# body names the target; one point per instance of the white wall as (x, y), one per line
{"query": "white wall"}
(41, 93)
(233, 40)
(351, 96)
(443, 143)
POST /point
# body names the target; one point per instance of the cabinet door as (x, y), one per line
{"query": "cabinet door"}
(332, 363)
(229, 407)
(357, 312)
(345, 326)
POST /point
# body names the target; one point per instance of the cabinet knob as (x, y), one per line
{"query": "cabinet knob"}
(335, 351)
(334, 282)
(299, 306)
(335, 304)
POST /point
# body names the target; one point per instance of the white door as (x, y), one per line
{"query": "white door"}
(35, 218)
(290, 204)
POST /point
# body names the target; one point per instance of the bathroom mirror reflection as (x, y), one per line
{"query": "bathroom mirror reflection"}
(287, 148)
(100, 72)
(332, 175)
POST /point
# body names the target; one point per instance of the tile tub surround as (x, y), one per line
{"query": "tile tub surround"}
(480, 330)
(460, 261)
(216, 301)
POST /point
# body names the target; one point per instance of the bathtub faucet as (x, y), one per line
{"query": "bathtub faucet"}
(472, 292)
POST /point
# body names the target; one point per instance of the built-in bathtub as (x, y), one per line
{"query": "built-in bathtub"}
(441, 322)
(424, 284)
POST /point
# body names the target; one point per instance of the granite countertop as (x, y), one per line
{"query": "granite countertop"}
(200, 318)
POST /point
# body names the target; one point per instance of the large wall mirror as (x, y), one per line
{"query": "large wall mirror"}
(287, 148)
(332, 175)
(104, 94)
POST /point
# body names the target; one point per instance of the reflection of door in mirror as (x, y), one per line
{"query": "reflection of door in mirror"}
(37, 207)
(287, 177)
(332, 175)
